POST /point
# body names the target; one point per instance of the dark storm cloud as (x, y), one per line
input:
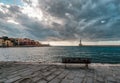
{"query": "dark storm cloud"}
(86, 19)
(92, 12)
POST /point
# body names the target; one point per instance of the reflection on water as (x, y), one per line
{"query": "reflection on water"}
(54, 54)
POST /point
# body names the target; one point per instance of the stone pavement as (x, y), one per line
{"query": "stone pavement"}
(56, 73)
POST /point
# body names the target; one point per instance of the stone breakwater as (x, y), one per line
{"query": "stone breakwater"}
(18, 72)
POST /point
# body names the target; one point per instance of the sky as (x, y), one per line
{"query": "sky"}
(62, 22)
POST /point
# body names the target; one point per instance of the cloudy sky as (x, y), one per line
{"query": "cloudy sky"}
(94, 21)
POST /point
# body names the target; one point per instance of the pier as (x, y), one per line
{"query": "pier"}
(18, 72)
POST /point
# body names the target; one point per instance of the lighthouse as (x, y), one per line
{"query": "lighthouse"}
(80, 44)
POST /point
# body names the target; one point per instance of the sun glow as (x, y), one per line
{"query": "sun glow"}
(34, 13)
(76, 43)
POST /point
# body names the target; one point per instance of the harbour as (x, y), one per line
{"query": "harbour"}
(98, 54)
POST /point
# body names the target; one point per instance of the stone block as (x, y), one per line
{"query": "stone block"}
(13, 79)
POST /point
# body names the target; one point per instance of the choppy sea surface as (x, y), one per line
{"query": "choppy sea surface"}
(98, 54)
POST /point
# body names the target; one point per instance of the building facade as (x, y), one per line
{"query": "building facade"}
(8, 43)
(12, 42)
(1, 42)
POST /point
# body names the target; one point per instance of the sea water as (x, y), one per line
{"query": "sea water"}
(97, 54)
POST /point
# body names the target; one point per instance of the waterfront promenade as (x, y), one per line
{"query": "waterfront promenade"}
(18, 72)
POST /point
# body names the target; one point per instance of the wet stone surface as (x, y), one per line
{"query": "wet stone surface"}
(44, 73)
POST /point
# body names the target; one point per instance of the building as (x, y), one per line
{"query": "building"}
(1, 42)
(38, 43)
(13, 42)
(19, 41)
(8, 43)
(5, 42)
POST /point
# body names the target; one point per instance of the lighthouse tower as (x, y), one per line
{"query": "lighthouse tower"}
(80, 44)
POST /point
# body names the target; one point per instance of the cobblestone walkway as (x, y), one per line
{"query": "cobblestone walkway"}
(39, 73)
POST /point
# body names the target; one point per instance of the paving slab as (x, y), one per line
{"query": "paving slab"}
(49, 73)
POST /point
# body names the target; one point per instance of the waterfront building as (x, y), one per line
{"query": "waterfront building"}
(38, 43)
(1, 42)
(12, 42)
(19, 41)
(8, 43)
(5, 41)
